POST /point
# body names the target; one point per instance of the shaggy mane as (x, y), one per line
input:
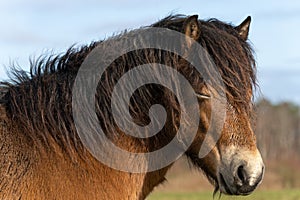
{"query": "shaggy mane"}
(39, 101)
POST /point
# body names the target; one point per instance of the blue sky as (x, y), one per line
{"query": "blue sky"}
(31, 28)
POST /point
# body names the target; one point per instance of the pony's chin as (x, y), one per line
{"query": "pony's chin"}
(223, 188)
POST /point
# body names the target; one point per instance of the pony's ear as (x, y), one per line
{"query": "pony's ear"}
(243, 28)
(191, 27)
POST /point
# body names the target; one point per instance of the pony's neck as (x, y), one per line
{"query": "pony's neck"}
(101, 181)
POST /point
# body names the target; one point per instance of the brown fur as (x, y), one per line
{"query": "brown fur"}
(41, 154)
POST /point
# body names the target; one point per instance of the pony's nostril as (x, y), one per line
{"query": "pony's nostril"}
(241, 173)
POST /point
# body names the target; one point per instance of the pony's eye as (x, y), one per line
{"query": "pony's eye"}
(203, 96)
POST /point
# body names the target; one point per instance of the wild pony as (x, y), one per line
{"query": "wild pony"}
(43, 157)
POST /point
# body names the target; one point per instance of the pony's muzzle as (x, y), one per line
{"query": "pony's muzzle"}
(242, 174)
(247, 179)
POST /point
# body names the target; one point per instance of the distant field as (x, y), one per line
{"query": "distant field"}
(258, 195)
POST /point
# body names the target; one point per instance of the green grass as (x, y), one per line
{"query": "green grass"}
(291, 194)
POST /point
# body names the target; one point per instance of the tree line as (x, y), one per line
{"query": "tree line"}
(277, 128)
